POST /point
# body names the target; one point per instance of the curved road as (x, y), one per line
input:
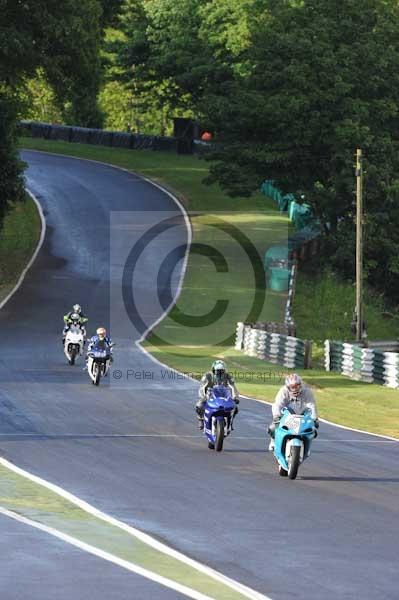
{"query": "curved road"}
(333, 533)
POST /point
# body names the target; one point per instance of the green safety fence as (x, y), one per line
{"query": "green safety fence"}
(279, 258)
(283, 200)
(299, 213)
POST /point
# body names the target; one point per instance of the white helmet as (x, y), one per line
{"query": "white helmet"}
(77, 308)
(101, 332)
(293, 383)
(218, 369)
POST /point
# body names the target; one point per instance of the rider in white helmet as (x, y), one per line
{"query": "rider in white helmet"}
(75, 316)
(217, 374)
(294, 395)
(100, 341)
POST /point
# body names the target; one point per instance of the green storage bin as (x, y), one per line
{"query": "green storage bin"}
(279, 279)
(293, 210)
(303, 216)
(277, 256)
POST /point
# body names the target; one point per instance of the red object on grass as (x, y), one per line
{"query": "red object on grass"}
(206, 136)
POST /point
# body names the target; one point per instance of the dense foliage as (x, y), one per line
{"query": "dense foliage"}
(60, 42)
(290, 89)
(322, 83)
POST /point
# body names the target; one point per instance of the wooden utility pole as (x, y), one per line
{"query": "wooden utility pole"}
(359, 246)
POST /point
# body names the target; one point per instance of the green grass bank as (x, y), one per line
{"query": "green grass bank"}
(179, 343)
(19, 236)
(324, 307)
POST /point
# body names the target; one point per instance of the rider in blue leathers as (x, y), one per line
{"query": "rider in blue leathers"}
(217, 375)
(100, 341)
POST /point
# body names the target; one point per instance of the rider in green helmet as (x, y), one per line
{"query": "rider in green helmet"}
(217, 375)
(74, 316)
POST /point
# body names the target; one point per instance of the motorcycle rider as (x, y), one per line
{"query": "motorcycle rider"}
(75, 316)
(216, 376)
(294, 394)
(100, 341)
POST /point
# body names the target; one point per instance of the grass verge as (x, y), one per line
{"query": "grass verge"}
(43, 506)
(324, 306)
(19, 236)
(185, 347)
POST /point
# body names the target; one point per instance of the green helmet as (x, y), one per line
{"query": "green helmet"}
(218, 368)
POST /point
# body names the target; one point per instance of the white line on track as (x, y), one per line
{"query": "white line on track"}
(176, 436)
(107, 556)
(144, 537)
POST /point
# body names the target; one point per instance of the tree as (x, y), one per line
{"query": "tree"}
(182, 51)
(39, 101)
(63, 40)
(11, 184)
(321, 83)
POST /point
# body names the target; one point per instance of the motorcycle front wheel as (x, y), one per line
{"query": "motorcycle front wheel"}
(72, 357)
(219, 435)
(98, 374)
(95, 373)
(293, 461)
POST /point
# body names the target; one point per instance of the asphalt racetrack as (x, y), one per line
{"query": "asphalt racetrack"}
(131, 446)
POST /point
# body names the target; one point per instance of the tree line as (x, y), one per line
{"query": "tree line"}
(289, 89)
(61, 42)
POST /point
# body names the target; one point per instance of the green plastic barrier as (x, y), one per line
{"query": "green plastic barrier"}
(303, 216)
(279, 279)
(285, 202)
(277, 256)
(293, 210)
(267, 188)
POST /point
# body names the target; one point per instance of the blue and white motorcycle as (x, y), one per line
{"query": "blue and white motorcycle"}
(220, 410)
(98, 364)
(292, 441)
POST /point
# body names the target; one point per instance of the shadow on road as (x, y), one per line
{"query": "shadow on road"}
(353, 479)
(244, 450)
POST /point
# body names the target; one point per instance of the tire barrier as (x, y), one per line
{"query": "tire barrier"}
(276, 348)
(370, 365)
(85, 135)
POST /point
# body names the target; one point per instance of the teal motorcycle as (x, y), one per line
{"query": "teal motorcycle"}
(292, 441)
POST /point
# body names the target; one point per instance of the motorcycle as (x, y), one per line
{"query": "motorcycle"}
(220, 410)
(74, 343)
(292, 441)
(98, 362)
